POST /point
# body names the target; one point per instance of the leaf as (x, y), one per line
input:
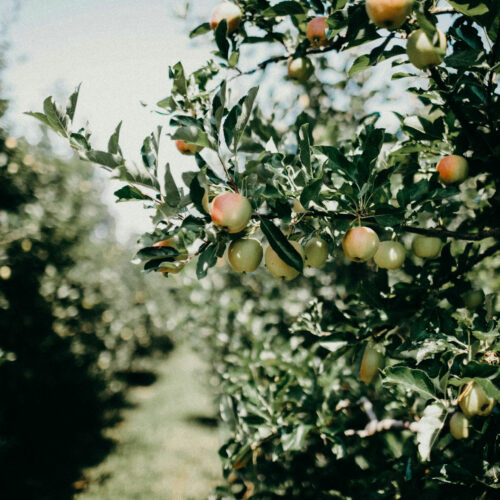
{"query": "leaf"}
(284, 9)
(296, 440)
(206, 260)
(103, 158)
(58, 120)
(131, 172)
(113, 143)
(72, 101)
(192, 135)
(246, 110)
(128, 193)
(221, 39)
(176, 73)
(377, 55)
(488, 386)
(415, 380)
(311, 192)
(200, 30)
(469, 7)
(39, 116)
(172, 195)
(281, 245)
(148, 253)
(428, 428)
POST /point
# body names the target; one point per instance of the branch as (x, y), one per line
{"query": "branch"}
(440, 233)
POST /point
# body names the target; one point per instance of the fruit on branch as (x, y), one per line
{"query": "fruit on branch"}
(370, 364)
(459, 426)
(279, 268)
(474, 401)
(298, 208)
(452, 168)
(390, 14)
(177, 265)
(188, 149)
(205, 202)
(228, 11)
(315, 252)
(360, 243)
(422, 52)
(390, 255)
(245, 255)
(426, 247)
(316, 31)
(300, 69)
(473, 299)
(231, 212)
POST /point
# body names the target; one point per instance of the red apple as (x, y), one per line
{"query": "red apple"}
(188, 149)
(231, 212)
(388, 14)
(228, 11)
(452, 168)
(316, 31)
(360, 243)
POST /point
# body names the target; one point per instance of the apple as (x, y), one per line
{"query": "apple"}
(300, 69)
(277, 267)
(422, 52)
(315, 252)
(360, 243)
(298, 208)
(370, 364)
(475, 401)
(390, 14)
(175, 266)
(390, 255)
(452, 168)
(231, 212)
(459, 426)
(228, 11)
(426, 247)
(316, 31)
(473, 299)
(245, 255)
(188, 149)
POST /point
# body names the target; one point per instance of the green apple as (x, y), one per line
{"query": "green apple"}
(426, 247)
(300, 69)
(315, 252)
(422, 52)
(245, 255)
(370, 364)
(473, 299)
(474, 401)
(390, 255)
(277, 267)
(459, 426)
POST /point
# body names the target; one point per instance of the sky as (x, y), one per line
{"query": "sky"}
(120, 50)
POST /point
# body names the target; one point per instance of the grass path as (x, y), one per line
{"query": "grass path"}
(161, 452)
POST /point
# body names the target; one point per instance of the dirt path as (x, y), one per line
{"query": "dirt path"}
(163, 452)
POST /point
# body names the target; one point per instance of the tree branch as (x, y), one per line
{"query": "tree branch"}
(440, 233)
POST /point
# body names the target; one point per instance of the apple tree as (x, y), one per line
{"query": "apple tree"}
(359, 141)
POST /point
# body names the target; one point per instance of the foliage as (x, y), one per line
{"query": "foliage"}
(303, 426)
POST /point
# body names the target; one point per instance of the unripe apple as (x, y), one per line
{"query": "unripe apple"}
(315, 252)
(231, 212)
(421, 50)
(390, 255)
(245, 255)
(316, 31)
(452, 168)
(298, 208)
(277, 267)
(205, 202)
(476, 402)
(473, 299)
(426, 247)
(175, 266)
(188, 149)
(300, 69)
(360, 243)
(228, 11)
(459, 426)
(388, 14)
(370, 364)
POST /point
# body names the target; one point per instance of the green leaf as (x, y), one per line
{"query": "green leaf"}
(415, 380)
(470, 7)
(71, 104)
(377, 55)
(246, 110)
(148, 253)
(489, 387)
(305, 147)
(200, 30)
(428, 428)
(221, 39)
(176, 73)
(129, 193)
(192, 135)
(113, 143)
(284, 9)
(131, 172)
(311, 192)
(281, 245)
(206, 260)
(172, 195)
(39, 116)
(103, 158)
(296, 440)
(58, 120)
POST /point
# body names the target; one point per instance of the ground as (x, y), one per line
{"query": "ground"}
(166, 448)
